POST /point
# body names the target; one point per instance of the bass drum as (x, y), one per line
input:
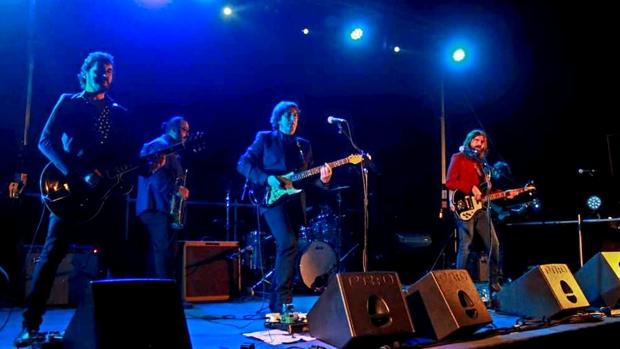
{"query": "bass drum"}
(316, 264)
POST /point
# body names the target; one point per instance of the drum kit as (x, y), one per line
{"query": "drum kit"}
(319, 245)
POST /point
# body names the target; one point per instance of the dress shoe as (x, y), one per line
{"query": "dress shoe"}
(25, 338)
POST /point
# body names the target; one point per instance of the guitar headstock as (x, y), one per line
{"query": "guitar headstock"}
(196, 142)
(355, 159)
(529, 186)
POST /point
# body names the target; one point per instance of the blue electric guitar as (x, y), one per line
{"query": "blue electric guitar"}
(269, 196)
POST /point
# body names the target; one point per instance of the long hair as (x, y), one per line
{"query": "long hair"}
(90, 60)
(279, 110)
(467, 148)
(172, 124)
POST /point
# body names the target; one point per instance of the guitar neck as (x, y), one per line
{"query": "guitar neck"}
(504, 194)
(126, 168)
(316, 170)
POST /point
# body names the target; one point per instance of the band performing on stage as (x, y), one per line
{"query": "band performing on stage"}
(297, 211)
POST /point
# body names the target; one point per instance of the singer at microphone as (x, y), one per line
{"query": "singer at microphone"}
(335, 120)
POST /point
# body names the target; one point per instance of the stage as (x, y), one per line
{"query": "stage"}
(223, 325)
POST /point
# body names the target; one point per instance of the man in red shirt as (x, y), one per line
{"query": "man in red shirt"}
(469, 175)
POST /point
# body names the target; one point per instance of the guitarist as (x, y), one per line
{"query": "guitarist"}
(156, 190)
(84, 130)
(467, 171)
(274, 153)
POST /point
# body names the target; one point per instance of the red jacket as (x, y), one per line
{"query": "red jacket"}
(463, 173)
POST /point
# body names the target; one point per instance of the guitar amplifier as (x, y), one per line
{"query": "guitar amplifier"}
(76, 270)
(210, 270)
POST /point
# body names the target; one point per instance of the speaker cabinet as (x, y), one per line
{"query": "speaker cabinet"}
(358, 308)
(446, 303)
(75, 271)
(599, 279)
(210, 270)
(548, 290)
(129, 313)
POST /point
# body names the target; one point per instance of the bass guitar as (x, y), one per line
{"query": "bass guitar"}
(269, 196)
(72, 199)
(466, 206)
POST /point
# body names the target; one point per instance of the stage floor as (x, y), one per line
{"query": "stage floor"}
(222, 325)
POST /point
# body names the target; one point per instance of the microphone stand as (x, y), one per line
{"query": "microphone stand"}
(364, 171)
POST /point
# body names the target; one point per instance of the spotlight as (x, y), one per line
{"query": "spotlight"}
(306, 31)
(594, 202)
(458, 55)
(396, 49)
(357, 33)
(227, 11)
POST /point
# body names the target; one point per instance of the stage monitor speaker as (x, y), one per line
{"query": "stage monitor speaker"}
(129, 313)
(446, 303)
(599, 279)
(546, 291)
(360, 309)
(210, 270)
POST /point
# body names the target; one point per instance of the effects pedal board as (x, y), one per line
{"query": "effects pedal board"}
(291, 323)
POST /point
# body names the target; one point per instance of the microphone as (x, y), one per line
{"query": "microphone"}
(335, 120)
(586, 170)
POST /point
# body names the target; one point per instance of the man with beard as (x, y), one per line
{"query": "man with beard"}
(470, 175)
(85, 133)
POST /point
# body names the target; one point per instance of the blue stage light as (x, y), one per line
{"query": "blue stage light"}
(357, 33)
(227, 11)
(594, 202)
(458, 55)
(306, 31)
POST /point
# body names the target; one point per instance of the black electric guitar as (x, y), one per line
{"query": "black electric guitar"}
(72, 199)
(466, 205)
(269, 196)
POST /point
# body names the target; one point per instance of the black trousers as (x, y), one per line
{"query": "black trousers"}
(283, 221)
(160, 244)
(106, 232)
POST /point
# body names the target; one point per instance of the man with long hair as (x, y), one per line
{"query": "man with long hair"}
(470, 175)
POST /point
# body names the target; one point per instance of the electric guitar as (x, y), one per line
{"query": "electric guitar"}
(466, 206)
(269, 196)
(72, 199)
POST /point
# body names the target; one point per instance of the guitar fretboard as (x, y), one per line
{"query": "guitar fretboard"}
(315, 170)
(195, 143)
(503, 194)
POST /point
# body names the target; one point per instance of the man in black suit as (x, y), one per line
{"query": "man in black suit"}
(272, 154)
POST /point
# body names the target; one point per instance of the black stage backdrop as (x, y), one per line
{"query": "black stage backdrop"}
(542, 82)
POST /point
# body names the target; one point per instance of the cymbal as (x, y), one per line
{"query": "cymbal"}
(342, 187)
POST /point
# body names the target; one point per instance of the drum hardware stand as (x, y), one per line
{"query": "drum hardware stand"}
(265, 279)
(228, 225)
(348, 253)
(246, 192)
(339, 228)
